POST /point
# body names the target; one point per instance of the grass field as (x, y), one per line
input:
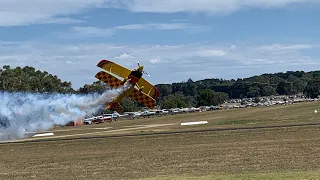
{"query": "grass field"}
(273, 153)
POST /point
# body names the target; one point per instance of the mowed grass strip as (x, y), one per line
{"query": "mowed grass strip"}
(227, 154)
(301, 113)
(305, 175)
(273, 115)
(249, 117)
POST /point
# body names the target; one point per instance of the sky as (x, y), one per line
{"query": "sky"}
(174, 39)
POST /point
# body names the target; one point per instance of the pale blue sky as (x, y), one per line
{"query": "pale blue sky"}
(174, 39)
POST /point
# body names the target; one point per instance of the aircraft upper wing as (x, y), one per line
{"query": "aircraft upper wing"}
(143, 98)
(149, 89)
(123, 72)
(109, 79)
(114, 68)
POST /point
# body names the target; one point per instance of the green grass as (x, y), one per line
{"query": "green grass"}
(306, 175)
(277, 153)
(227, 154)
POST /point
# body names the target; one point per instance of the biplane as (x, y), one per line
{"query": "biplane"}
(140, 90)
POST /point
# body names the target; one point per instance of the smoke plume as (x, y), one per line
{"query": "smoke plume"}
(21, 114)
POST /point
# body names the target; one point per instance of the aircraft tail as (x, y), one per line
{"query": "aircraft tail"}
(114, 106)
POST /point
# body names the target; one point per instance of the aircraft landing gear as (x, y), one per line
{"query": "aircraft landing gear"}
(124, 80)
(141, 88)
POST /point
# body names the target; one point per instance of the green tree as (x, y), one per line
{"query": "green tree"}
(128, 105)
(165, 89)
(221, 97)
(206, 98)
(292, 78)
(168, 104)
(253, 91)
(267, 90)
(176, 100)
(313, 88)
(97, 86)
(285, 88)
(29, 80)
(190, 88)
(239, 90)
(299, 86)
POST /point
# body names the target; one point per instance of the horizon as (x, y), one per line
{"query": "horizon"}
(175, 40)
(183, 81)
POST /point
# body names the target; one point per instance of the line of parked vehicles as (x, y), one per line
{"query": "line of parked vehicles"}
(165, 112)
(102, 118)
(146, 113)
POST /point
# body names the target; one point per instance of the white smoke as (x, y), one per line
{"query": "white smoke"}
(22, 113)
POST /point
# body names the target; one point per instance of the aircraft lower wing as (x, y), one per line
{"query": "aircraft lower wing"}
(149, 89)
(143, 98)
(108, 79)
(123, 72)
(114, 68)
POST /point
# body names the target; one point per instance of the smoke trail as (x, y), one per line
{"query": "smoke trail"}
(22, 113)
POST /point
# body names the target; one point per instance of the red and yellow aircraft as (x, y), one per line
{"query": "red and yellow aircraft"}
(140, 89)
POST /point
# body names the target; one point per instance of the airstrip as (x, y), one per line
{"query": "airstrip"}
(278, 142)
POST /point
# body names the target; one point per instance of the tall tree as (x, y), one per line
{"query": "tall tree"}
(190, 88)
(313, 88)
(97, 86)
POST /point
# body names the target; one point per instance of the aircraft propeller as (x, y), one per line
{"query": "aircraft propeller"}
(144, 71)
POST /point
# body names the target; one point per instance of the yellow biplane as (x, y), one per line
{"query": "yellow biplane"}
(140, 89)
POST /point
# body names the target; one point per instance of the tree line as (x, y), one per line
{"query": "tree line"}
(215, 91)
(176, 95)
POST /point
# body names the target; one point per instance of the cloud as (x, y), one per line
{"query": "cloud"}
(155, 61)
(211, 53)
(19, 13)
(64, 20)
(281, 47)
(208, 6)
(233, 46)
(165, 63)
(92, 31)
(95, 31)
(151, 26)
(124, 56)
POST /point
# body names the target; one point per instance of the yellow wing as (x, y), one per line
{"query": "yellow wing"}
(148, 89)
(143, 98)
(114, 68)
(123, 72)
